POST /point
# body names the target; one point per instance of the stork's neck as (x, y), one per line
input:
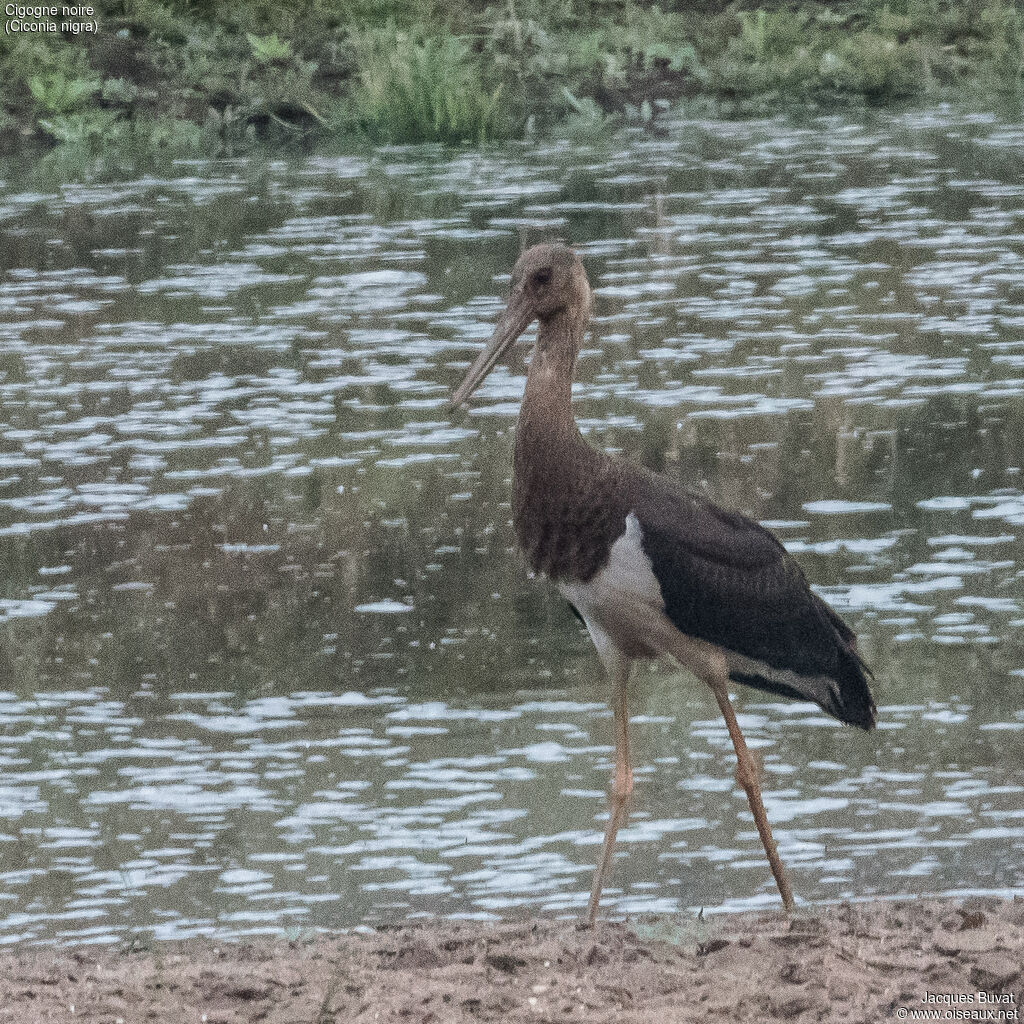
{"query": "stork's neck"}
(549, 447)
(556, 471)
(545, 417)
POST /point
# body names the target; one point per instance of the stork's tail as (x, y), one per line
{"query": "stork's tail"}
(857, 706)
(838, 681)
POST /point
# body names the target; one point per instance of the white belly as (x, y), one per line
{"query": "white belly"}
(622, 603)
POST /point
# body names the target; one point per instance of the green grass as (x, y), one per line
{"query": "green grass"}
(180, 77)
(421, 87)
(872, 52)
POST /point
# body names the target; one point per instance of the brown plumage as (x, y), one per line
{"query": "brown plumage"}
(650, 567)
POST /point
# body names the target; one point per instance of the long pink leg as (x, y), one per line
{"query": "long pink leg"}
(622, 786)
(746, 776)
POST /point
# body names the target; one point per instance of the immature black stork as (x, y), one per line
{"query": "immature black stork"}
(651, 568)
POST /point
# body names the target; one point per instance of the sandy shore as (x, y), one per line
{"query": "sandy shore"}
(851, 963)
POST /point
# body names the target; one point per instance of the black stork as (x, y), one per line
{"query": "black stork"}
(651, 568)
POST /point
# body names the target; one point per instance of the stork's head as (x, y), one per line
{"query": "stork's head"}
(548, 281)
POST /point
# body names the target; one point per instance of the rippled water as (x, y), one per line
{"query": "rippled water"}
(267, 658)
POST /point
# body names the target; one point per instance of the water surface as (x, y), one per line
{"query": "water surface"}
(268, 660)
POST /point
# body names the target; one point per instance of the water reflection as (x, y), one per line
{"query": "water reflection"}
(267, 658)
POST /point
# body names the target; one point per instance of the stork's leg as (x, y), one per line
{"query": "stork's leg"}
(746, 776)
(622, 784)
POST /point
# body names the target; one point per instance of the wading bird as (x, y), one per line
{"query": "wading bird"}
(653, 569)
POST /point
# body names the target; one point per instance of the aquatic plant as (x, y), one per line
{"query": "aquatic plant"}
(270, 49)
(174, 136)
(766, 34)
(648, 43)
(56, 93)
(878, 68)
(423, 88)
(78, 129)
(771, 55)
(120, 92)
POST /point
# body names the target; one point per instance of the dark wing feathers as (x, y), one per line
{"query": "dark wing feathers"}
(727, 580)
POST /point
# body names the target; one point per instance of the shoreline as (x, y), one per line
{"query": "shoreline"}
(868, 962)
(171, 80)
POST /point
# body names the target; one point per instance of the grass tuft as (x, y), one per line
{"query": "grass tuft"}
(414, 88)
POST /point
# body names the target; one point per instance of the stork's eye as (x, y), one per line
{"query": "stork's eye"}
(542, 277)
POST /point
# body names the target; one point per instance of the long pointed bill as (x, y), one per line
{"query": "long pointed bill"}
(517, 317)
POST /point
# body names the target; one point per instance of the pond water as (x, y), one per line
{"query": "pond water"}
(268, 659)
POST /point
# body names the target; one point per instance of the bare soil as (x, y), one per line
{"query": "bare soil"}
(848, 963)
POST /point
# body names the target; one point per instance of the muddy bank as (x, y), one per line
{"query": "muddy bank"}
(850, 963)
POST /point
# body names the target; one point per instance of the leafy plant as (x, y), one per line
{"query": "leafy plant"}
(881, 68)
(56, 93)
(158, 20)
(585, 108)
(270, 49)
(676, 57)
(765, 34)
(423, 89)
(78, 129)
(172, 135)
(119, 91)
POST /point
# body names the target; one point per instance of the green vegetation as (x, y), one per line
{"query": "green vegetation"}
(178, 77)
(412, 86)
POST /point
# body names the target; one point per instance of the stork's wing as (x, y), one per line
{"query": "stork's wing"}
(727, 580)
